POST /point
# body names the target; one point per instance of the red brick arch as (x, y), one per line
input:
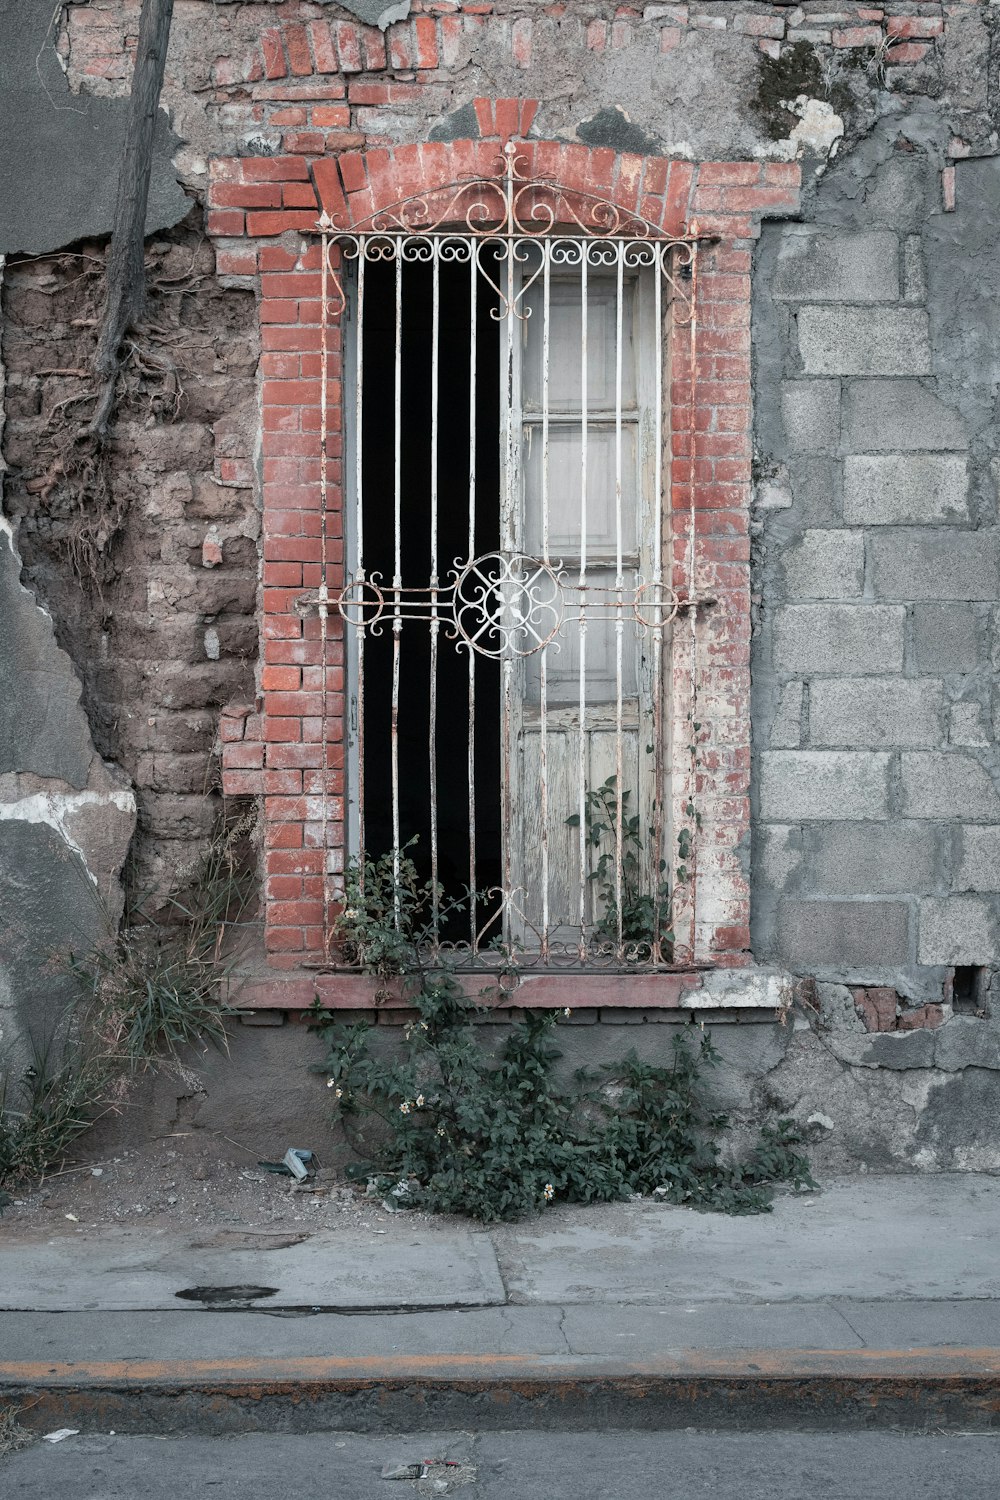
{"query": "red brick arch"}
(357, 184)
(260, 211)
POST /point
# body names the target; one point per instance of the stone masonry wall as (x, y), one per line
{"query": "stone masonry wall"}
(878, 782)
(145, 555)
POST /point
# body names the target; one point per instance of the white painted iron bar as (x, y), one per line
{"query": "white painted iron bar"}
(543, 662)
(359, 481)
(508, 500)
(397, 580)
(619, 622)
(473, 341)
(583, 604)
(660, 500)
(692, 590)
(323, 591)
(432, 727)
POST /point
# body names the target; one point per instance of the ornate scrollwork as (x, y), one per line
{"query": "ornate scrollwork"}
(497, 220)
(507, 605)
(511, 204)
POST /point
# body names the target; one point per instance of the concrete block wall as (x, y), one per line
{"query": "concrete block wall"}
(877, 564)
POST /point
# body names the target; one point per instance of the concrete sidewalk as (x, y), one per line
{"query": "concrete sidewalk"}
(877, 1300)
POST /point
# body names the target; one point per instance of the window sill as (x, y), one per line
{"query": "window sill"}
(740, 989)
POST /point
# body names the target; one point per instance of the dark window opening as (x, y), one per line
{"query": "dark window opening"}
(453, 729)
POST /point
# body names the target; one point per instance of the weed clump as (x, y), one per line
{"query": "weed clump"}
(496, 1133)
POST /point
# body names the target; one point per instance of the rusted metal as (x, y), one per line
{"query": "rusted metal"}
(942, 1389)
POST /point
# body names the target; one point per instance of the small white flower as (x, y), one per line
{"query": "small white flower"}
(420, 1101)
(567, 1011)
(440, 1130)
(331, 1083)
(548, 1192)
(351, 913)
(404, 1108)
(339, 1094)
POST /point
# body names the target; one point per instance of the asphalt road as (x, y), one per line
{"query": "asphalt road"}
(515, 1466)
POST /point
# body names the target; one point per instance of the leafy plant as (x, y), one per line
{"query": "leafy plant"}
(644, 912)
(497, 1133)
(388, 915)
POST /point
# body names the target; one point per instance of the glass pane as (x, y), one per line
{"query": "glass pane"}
(564, 489)
(562, 654)
(565, 361)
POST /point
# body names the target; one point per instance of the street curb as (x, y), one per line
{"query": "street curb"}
(912, 1389)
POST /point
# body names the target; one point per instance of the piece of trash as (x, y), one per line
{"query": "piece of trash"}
(59, 1434)
(73, 1217)
(439, 1476)
(303, 1164)
(97, 1171)
(295, 1163)
(401, 1471)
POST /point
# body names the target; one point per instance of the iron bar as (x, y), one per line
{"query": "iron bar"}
(432, 709)
(619, 622)
(473, 341)
(582, 790)
(397, 579)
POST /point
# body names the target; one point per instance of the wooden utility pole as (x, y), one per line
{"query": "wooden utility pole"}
(126, 280)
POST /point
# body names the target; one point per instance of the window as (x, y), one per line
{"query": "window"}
(507, 595)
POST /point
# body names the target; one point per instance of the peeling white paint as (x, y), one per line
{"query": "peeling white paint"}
(819, 128)
(818, 132)
(743, 989)
(56, 808)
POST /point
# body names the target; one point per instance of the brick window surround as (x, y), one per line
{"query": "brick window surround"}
(263, 214)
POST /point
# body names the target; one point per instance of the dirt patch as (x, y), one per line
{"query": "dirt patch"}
(218, 1189)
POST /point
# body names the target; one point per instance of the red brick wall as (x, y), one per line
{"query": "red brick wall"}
(264, 211)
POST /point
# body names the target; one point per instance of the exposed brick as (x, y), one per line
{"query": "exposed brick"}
(323, 50)
(923, 1016)
(425, 36)
(908, 52)
(275, 169)
(401, 48)
(857, 36)
(298, 50)
(373, 49)
(877, 1007)
(348, 41)
(914, 26)
(274, 54)
(758, 25)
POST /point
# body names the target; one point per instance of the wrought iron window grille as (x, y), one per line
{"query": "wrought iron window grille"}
(567, 896)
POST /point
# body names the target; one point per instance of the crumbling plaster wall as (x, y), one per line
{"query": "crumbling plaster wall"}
(66, 817)
(117, 646)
